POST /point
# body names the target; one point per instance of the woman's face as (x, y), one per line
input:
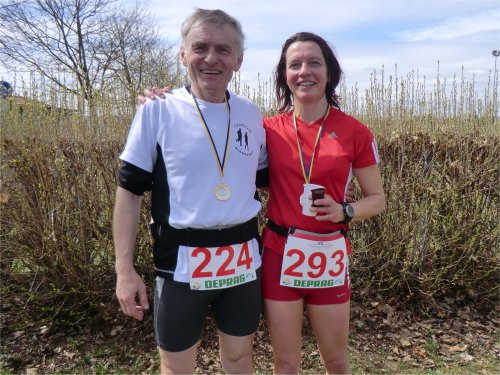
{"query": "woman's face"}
(306, 72)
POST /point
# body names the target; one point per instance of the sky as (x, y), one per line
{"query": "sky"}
(366, 35)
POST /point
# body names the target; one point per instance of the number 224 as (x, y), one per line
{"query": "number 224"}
(244, 259)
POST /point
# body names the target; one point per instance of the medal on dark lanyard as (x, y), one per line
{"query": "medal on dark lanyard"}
(222, 191)
(307, 172)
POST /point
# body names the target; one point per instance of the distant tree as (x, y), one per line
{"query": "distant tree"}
(138, 56)
(94, 40)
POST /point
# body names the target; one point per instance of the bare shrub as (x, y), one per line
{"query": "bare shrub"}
(440, 232)
(438, 237)
(56, 234)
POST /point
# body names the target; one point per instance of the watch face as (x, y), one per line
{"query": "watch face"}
(349, 210)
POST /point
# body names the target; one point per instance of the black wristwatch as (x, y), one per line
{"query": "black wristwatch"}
(348, 213)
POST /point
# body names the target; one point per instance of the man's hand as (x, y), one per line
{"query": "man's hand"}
(350, 193)
(153, 92)
(131, 293)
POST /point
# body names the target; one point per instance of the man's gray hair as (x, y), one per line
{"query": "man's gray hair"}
(213, 16)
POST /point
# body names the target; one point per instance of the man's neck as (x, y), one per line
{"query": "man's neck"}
(211, 96)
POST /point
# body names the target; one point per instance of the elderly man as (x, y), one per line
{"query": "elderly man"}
(184, 150)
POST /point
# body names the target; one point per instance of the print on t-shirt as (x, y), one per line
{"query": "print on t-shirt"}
(242, 139)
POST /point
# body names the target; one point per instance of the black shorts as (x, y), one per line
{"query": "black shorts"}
(180, 313)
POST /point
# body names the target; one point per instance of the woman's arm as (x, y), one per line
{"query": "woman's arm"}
(372, 203)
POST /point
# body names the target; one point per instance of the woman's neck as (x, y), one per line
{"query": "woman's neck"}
(310, 112)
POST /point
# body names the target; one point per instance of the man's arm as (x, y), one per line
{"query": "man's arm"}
(130, 289)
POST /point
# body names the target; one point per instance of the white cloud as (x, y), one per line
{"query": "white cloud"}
(456, 27)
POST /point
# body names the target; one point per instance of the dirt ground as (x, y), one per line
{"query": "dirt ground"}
(386, 337)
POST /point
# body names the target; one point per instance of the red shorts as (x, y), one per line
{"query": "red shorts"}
(271, 288)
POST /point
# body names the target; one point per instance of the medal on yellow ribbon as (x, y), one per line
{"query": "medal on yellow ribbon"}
(222, 191)
(307, 172)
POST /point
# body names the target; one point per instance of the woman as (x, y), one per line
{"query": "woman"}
(312, 141)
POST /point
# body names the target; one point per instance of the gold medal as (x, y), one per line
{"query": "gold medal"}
(222, 191)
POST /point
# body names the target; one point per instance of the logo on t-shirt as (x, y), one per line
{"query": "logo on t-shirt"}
(243, 139)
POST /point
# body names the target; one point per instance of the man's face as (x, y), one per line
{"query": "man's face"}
(211, 55)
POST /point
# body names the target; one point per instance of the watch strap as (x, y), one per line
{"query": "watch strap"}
(347, 218)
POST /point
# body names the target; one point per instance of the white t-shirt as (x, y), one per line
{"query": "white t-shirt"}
(168, 139)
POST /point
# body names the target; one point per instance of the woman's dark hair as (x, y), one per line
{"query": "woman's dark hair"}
(334, 72)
